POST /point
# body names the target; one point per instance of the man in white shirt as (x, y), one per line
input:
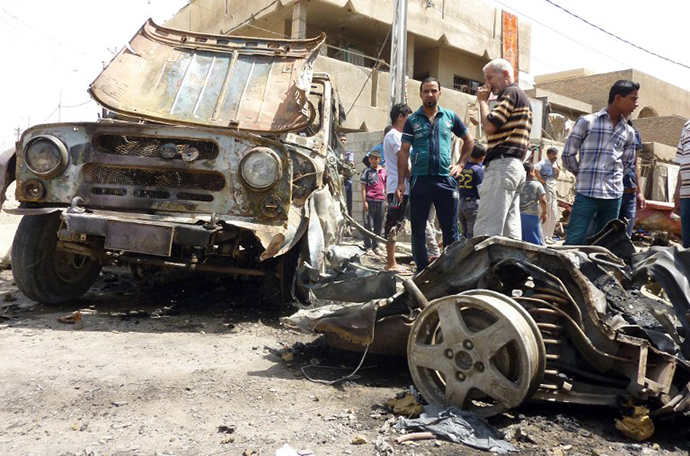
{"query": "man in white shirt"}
(395, 218)
(547, 172)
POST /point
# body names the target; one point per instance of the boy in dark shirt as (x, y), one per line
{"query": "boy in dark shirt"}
(373, 182)
(468, 181)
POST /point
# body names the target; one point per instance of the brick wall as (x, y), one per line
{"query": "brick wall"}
(665, 130)
(589, 89)
(360, 144)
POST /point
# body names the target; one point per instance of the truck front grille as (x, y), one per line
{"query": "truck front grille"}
(99, 174)
(139, 146)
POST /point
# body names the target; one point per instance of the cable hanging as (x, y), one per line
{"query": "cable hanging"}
(616, 36)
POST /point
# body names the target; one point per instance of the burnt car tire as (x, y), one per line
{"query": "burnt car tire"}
(42, 272)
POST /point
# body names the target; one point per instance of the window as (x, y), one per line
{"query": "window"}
(465, 85)
(349, 54)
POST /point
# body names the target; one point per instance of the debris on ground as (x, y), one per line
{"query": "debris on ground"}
(405, 405)
(457, 426)
(638, 426)
(358, 439)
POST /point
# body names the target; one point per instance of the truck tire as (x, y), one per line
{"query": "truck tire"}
(43, 273)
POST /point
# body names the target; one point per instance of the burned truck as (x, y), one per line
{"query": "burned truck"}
(221, 155)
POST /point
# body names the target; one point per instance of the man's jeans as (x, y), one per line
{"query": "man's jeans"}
(443, 194)
(499, 199)
(585, 210)
(628, 210)
(685, 221)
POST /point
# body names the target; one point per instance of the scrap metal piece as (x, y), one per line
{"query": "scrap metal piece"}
(614, 238)
(670, 267)
(353, 323)
(182, 77)
(354, 284)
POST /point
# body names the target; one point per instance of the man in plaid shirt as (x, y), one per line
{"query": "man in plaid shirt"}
(606, 146)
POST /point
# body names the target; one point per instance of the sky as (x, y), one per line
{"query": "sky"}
(561, 42)
(54, 49)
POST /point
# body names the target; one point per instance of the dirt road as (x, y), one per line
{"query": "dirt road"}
(187, 365)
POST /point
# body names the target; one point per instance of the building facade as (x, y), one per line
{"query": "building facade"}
(450, 41)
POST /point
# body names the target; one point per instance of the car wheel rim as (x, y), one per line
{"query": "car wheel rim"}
(477, 351)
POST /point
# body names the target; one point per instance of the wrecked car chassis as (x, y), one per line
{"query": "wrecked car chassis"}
(223, 158)
(494, 323)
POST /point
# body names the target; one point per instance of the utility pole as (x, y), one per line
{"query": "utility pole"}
(398, 53)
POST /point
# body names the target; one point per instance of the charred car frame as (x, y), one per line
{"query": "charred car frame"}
(222, 156)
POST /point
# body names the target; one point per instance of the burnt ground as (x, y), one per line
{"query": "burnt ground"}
(190, 365)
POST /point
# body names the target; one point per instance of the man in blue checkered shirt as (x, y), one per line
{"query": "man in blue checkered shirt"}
(605, 143)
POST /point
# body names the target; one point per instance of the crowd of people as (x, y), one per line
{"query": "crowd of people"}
(493, 190)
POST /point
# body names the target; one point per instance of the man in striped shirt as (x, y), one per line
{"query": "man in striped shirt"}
(508, 128)
(682, 196)
(605, 143)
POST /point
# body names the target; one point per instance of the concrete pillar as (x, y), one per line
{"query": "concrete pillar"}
(409, 71)
(298, 30)
(375, 86)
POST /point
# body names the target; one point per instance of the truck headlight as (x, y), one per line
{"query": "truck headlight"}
(260, 168)
(46, 156)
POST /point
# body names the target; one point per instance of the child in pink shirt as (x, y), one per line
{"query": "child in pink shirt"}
(373, 182)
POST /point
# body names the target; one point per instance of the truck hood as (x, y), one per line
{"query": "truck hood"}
(179, 77)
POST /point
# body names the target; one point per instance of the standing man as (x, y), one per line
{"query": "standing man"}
(508, 128)
(605, 143)
(428, 132)
(395, 217)
(468, 182)
(682, 196)
(547, 172)
(632, 193)
(349, 159)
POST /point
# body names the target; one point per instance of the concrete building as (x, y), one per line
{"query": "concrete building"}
(657, 97)
(451, 41)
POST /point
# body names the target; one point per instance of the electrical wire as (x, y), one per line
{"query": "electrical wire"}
(616, 36)
(251, 18)
(338, 380)
(77, 105)
(46, 36)
(378, 57)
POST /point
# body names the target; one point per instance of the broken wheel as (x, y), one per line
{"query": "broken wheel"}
(479, 351)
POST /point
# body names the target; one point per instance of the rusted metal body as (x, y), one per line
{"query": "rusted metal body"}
(227, 157)
(181, 77)
(504, 321)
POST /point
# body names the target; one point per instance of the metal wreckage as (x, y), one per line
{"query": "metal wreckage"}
(494, 323)
(222, 156)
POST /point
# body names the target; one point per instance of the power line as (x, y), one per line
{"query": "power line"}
(378, 58)
(616, 36)
(78, 105)
(46, 36)
(252, 17)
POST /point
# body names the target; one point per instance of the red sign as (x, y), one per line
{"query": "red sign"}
(510, 40)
